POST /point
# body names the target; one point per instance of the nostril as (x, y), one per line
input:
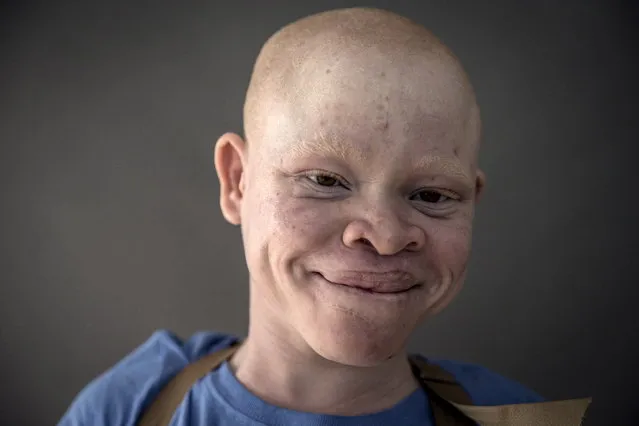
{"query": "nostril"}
(366, 242)
(412, 245)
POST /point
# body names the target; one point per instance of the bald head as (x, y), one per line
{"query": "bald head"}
(359, 57)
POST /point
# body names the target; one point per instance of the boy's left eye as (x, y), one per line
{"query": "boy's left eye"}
(325, 180)
(432, 197)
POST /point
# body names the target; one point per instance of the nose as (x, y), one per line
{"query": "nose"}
(385, 232)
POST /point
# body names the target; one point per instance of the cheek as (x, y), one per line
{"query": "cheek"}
(306, 220)
(450, 246)
(283, 225)
(285, 232)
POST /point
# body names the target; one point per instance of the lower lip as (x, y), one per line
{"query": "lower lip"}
(362, 293)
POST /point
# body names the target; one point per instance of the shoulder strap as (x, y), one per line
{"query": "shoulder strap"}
(162, 409)
(450, 403)
(447, 392)
(442, 388)
(569, 412)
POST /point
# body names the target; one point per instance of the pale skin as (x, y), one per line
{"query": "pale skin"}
(359, 166)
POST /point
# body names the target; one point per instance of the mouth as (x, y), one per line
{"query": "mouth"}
(377, 285)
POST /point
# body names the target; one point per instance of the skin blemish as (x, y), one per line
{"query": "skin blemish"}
(382, 123)
(328, 70)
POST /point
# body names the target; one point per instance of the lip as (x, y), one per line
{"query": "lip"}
(382, 283)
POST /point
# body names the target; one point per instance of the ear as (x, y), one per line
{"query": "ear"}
(230, 164)
(480, 184)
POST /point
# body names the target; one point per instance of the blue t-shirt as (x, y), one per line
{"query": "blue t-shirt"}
(119, 396)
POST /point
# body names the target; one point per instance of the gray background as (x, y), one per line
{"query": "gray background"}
(110, 220)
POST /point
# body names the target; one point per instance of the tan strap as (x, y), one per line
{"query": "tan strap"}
(441, 387)
(439, 380)
(162, 409)
(554, 413)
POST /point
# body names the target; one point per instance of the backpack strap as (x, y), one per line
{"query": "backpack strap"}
(444, 390)
(162, 409)
(570, 412)
(450, 403)
(441, 388)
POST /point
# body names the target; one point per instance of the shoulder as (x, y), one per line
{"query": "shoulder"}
(120, 394)
(487, 387)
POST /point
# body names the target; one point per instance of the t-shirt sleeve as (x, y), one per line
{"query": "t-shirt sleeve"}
(118, 396)
(487, 387)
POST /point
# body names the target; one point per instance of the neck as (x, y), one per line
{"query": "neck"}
(275, 364)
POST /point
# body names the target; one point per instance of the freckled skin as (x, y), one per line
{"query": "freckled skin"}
(387, 111)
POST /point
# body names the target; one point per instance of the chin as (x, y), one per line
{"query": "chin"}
(349, 342)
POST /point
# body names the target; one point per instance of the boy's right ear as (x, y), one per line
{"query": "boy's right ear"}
(229, 160)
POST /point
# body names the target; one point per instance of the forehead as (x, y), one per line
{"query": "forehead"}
(362, 109)
(356, 124)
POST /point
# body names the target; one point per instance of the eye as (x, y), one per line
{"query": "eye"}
(431, 197)
(324, 179)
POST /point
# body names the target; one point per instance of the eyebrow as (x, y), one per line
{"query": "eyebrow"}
(441, 165)
(323, 145)
(433, 164)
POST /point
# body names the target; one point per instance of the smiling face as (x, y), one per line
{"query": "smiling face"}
(356, 198)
